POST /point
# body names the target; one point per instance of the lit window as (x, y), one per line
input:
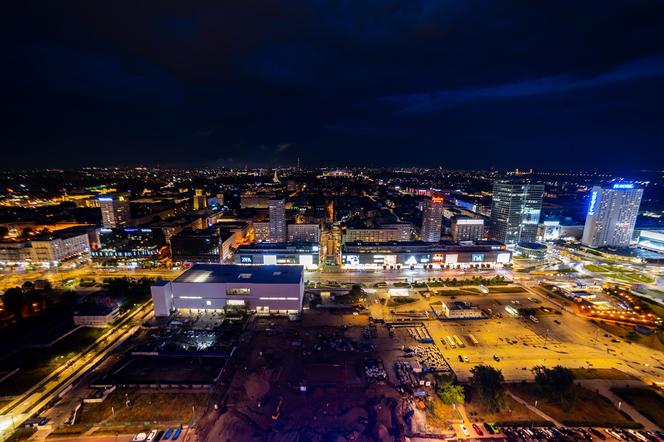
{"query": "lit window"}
(238, 291)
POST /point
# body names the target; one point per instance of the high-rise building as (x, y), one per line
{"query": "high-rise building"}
(432, 218)
(515, 211)
(200, 200)
(467, 229)
(114, 210)
(277, 212)
(611, 215)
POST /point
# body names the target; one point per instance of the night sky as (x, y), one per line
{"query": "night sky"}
(571, 85)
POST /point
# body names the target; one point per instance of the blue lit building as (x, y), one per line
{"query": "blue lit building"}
(612, 215)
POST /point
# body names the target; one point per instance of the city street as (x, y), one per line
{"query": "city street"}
(16, 412)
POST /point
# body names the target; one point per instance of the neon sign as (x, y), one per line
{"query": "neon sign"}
(593, 201)
(623, 186)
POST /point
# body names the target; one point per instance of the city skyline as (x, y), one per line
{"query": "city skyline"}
(332, 220)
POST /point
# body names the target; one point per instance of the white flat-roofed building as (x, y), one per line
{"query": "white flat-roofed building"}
(58, 246)
(460, 310)
(264, 289)
(652, 240)
(95, 316)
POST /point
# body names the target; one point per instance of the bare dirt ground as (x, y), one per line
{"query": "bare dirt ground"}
(265, 401)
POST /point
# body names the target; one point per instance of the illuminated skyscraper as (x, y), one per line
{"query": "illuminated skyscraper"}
(114, 210)
(611, 215)
(432, 217)
(277, 212)
(200, 200)
(515, 211)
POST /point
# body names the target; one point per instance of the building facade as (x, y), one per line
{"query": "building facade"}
(548, 231)
(261, 231)
(372, 235)
(128, 246)
(432, 219)
(467, 229)
(306, 254)
(515, 211)
(196, 246)
(277, 213)
(419, 254)
(304, 233)
(460, 310)
(270, 289)
(652, 240)
(59, 246)
(612, 215)
(114, 210)
(200, 199)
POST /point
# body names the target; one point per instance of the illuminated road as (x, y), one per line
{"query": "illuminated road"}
(574, 342)
(60, 276)
(32, 401)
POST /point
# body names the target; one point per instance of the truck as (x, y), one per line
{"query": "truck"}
(458, 341)
(472, 339)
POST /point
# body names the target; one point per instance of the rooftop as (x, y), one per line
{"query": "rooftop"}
(259, 274)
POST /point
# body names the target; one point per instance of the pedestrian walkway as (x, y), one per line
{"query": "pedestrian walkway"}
(603, 386)
(535, 410)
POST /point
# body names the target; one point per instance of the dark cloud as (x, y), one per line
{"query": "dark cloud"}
(463, 84)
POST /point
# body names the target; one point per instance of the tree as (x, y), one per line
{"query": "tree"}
(14, 301)
(450, 393)
(488, 383)
(556, 384)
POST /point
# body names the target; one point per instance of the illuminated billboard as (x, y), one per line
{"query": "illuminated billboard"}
(306, 260)
(593, 203)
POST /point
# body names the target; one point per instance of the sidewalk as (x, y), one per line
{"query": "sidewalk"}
(604, 387)
(537, 411)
